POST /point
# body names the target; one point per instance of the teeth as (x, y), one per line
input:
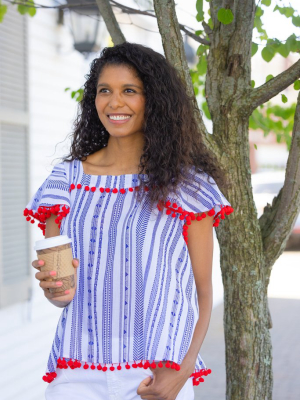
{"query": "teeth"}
(118, 117)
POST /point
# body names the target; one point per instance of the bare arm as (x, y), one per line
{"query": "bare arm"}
(200, 246)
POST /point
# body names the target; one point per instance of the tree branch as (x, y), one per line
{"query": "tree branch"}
(174, 52)
(278, 220)
(186, 29)
(274, 86)
(111, 21)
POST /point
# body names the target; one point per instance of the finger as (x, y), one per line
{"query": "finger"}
(60, 296)
(50, 285)
(37, 264)
(75, 262)
(143, 388)
(44, 275)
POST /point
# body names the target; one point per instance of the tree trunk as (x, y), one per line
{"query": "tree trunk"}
(246, 315)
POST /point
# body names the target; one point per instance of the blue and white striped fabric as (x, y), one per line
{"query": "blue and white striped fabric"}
(136, 296)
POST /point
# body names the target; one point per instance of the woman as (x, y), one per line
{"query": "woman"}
(131, 194)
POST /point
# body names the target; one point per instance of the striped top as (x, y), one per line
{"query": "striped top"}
(136, 300)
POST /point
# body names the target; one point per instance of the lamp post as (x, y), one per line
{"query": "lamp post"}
(85, 26)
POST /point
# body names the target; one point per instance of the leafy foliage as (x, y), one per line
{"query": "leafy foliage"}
(75, 94)
(225, 16)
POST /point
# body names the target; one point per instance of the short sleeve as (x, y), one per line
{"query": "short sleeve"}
(52, 197)
(197, 197)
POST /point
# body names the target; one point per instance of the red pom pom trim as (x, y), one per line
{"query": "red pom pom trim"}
(43, 213)
(62, 363)
(189, 216)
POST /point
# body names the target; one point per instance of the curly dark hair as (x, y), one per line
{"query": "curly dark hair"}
(172, 137)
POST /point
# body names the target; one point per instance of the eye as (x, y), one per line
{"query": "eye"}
(133, 91)
(100, 90)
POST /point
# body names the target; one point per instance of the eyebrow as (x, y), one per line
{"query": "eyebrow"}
(126, 84)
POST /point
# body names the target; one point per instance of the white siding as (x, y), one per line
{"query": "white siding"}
(15, 282)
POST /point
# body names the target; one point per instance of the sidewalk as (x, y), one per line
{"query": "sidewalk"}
(285, 314)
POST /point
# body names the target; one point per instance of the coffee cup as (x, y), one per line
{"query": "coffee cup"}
(56, 252)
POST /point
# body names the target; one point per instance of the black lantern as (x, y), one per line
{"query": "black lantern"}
(85, 25)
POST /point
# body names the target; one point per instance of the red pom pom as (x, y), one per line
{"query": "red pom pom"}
(168, 203)
(127, 366)
(32, 221)
(119, 367)
(174, 205)
(87, 188)
(211, 212)
(93, 189)
(99, 367)
(104, 368)
(168, 212)
(160, 364)
(146, 365)
(173, 215)
(115, 190)
(112, 368)
(85, 366)
(168, 365)
(25, 212)
(79, 186)
(122, 190)
(146, 189)
(101, 189)
(134, 365)
(107, 190)
(130, 189)
(153, 365)
(72, 187)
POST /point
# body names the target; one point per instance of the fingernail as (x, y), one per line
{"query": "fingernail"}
(41, 262)
(58, 283)
(52, 273)
(67, 291)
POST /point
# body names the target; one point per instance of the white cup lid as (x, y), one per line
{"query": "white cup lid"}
(52, 242)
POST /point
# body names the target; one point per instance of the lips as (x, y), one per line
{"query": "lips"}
(119, 121)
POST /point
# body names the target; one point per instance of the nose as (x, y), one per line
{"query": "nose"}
(116, 101)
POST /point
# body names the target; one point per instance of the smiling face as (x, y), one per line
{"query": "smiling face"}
(120, 101)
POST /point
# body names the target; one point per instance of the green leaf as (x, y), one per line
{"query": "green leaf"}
(67, 88)
(206, 110)
(255, 146)
(268, 53)
(284, 98)
(225, 16)
(22, 9)
(31, 10)
(199, 7)
(252, 83)
(73, 94)
(286, 11)
(254, 48)
(269, 77)
(3, 11)
(202, 65)
(198, 33)
(296, 21)
(284, 49)
(259, 12)
(297, 85)
(266, 2)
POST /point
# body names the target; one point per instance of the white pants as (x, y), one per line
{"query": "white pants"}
(81, 384)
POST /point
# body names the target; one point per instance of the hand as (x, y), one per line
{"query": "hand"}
(57, 299)
(166, 382)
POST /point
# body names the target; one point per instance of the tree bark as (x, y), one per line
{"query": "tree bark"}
(246, 314)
